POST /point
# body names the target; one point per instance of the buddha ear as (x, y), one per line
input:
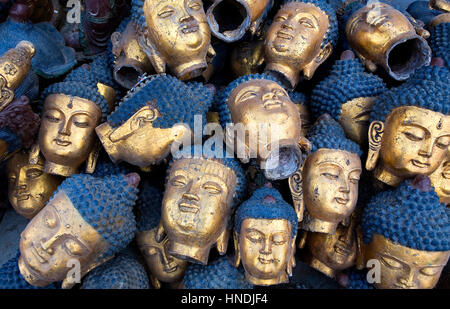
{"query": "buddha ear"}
(310, 68)
(291, 261)
(296, 187)
(375, 136)
(222, 241)
(302, 239)
(92, 159)
(237, 253)
(155, 282)
(152, 53)
(359, 249)
(33, 157)
(160, 233)
(144, 115)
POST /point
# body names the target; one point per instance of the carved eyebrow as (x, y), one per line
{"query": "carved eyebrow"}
(412, 124)
(252, 230)
(312, 17)
(246, 90)
(333, 164)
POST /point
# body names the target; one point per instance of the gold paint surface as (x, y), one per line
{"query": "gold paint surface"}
(354, 118)
(440, 179)
(330, 188)
(197, 207)
(67, 132)
(137, 141)
(162, 265)
(247, 58)
(403, 267)
(266, 249)
(57, 234)
(29, 188)
(109, 93)
(293, 41)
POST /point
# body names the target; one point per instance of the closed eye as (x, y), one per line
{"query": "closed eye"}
(195, 6)
(167, 11)
(306, 22)
(280, 18)
(52, 118)
(212, 188)
(413, 137)
(391, 262)
(247, 95)
(330, 176)
(178, 181)
(34, 173)
(81, 124)
(430, 270)
(255, 237)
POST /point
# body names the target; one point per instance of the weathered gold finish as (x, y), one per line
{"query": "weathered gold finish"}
(413, 141)
(14, 67)
(109, 94)
(266, 110)
(354, 118)
(177, 35)
(29, 188)
(56, 235)
(402, 267)
(305, 116)
(383, 36)
(66, 135)
(293, 41)
(332, 253)
(130, 59)
(162, 265)
(330, 188)
(247, 58)
(441, 5)
(266, 250)
(440, 179)
(138, 142)
(196, 208)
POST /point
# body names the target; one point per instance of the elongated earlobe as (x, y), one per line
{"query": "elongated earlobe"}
(237, 254)
(296, 187)
(92, 159)
(33, 157)
(222, 241)
(310, 68)
(375, 136)
(291, 260)
(360, 264)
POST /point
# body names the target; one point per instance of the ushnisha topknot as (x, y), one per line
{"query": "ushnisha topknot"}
(222, 96)
(218, 155)
(409, 217)
(331, 36)
(176, 101)
(218, 274)
(148, 208)
(10, 277)
(346, 81)
(327, 133)
(440, 42)
(428, 87)
(266, 203)
(106, 204)
(121, 272)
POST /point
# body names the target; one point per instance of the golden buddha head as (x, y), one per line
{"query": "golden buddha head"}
(330, 177)
(440, 179)
(347, 95)
(258, 105)
(201, 192)
(158, 113)
(332, 253)
(78, 223)
(301, 37)
(264, 235)
(409, 132)
(230, 20)
(303, 106)
(163, 267)
(383, 36)
(406, 230)
(29, 188)
(174, 33)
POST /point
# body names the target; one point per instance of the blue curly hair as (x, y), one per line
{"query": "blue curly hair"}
(218, 274)
(176, 101)
(409, 217)
(357, 280)
(148, 208)
(298, 97)
(121, 272)
(107, 168)
(222, 96)
(224, 158)
(346, 81)
(259, 206)
(440, 42)
(332, 34)
(327, 133)
(106, 204)
(10, 277)
(137, 14)
(428, 87)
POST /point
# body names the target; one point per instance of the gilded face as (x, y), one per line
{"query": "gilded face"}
(295, 37)
(440, 179)
(337, 251)
(405, 268)
(415, 141)
(162, 265)
(331, 184)
(354, 118)
(67, 135)
(197, 203)
(54, 237)
(29, 188)
(137, 141)
(178, 29)
(269, 115)
(265, 248)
